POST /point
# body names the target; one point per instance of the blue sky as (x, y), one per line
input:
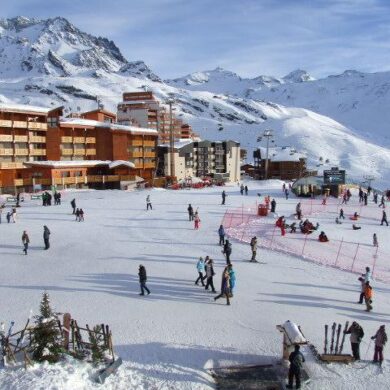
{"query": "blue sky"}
(249, 37)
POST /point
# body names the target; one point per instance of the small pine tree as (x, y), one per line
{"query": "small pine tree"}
(97, 345)
(46, 338)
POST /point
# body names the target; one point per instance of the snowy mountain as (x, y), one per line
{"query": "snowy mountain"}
(51, 62)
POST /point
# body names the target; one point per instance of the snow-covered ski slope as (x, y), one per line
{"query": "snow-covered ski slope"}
(169, 339)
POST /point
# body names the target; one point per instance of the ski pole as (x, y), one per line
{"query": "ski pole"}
(369, 344)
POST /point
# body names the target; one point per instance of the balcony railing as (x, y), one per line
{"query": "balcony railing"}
(37, 139)
(38, 152)
(78, 140)
(11, 165)
(37, 126)
(5, 123)
(6, 152)
(20, 138)
(90, 140)
(150, 154)
(149, 165)
(136, 142)
(66, 140)
(149, 143)
(21, 152)
(20, 124)
(67, 152)
(5, 138)
(91, 152)
(79, 152)
(135, 154)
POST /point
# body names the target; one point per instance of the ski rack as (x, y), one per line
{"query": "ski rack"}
(336, 345)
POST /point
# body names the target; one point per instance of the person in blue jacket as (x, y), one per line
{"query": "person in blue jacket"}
(200, 266)
(221, 233)
(232, 278)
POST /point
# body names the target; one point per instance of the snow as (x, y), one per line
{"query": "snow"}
(24, 108)
(69, 163)
(283, 153)
(169, 339)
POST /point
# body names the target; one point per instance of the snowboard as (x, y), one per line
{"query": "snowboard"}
(106, 372)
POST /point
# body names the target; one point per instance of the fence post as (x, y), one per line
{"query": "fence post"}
(338, 253)
(272, 239)
(375, 256)
(304, 244)
(354, 258)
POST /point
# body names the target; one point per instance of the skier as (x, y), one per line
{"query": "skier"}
(81, 215)
(142, 280)
(225, 286)
(13, 215)
(384, 218)
(380, 341)
(356, 227)
(253, 245)
(196, 220)
(368, 294)
(365, 197)
(25, 241)
(357, 333)
(323, 237)
(293, 227)
(148, 203)
(283, 228)
(367, 275)
(77, 214)
(298, 211)
(232, 276)
(296, 360)
(8, 216)
(190, 212)
(242, 189)
(221, 233)
(382, 203)
(227, 250)
(338, 221)
(46, 237)
(341, 215)
(362, 289)
(286, 193)
(375, 240)
(246, 190)
(273, 205)
(209, 274)
(73, 204)
(223, 197)
(201, 268)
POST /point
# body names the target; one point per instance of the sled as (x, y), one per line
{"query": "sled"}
(106, 372)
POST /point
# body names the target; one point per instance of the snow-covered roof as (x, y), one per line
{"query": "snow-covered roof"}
(179, 143)
(80, 163)
(284, 153)
(111, 126)
(24, 108)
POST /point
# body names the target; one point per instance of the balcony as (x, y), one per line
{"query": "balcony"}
(20, 138)
(149, 165)
(78, 140)
(150, 154)
(66, 140)
(90, 140)
(149, 143)
(11, 165)
(38, 152)
(91, 152)
(6, 152)
(67, 152)
(138, 165)
(37, 140)
(5, 138)
(21, 152)
(37, 126)
(79, 152)
(20, 124)
(136, 142)
(135, 154)
(5, 123)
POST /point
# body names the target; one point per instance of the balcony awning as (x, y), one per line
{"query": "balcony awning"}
(121, 163)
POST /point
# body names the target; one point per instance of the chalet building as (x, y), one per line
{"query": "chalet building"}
(30, 136)
(143, 110)
(284, 163)
(220, 160)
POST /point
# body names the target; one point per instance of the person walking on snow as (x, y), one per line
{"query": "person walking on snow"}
(384, 218)
(209, 275)
(223, 197)
(286, 193)
(232, 276)
(46, 237)
(341, 215)
(196, 221)
(225, 286)
(375, 240)
(73, 204)
(148, 203)
(380, 341)
(253, 245)
(242, 189)
(77, 214)
(273, 205)
(201, 268)
(81, 215)
(296, 361)
(367, 275)
(362, 289)
(25, 241)
(13, 215)
(246, 190)
(382, 203)
(221, 234)
(298, 211)
(357, 333)
(227, 251)
(142, 280)
(190, 212)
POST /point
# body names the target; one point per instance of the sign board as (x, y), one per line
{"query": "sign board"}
(334, 176)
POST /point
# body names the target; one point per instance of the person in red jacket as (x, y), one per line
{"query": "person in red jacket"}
(368, 294)
(323, 237)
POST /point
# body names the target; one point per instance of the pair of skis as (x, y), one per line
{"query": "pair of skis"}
(335, 348)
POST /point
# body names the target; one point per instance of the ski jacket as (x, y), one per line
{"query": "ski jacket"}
(221, 231)
(368, 293)
(142, 274)
(46, 233)
(25, 238)
(253, 244)
(296, 360)
(225, 282)
(190, 210)
(232, 276)
(200, 266)
(209, 270)
(356, 332)
(367, 276)
(227, 248)
(380, 338)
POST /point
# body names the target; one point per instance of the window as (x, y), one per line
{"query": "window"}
(52, 121)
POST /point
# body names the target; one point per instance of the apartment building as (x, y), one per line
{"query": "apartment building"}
(220, 160)
(39, 147)
(144, 110)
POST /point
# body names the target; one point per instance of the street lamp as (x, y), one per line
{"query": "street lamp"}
(170, 102)
(267, 134)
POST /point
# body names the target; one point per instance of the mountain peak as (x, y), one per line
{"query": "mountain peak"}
(298, 76)
(18, 23)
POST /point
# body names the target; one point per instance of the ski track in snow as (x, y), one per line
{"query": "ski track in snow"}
(169, 339)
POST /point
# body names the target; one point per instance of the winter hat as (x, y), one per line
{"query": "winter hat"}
(201, 258)
(382, 327)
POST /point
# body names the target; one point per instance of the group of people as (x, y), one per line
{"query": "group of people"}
(206, 272)
(26, 239)
(243, 189)
(46, 198)
(11, 215)
(193, 216)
